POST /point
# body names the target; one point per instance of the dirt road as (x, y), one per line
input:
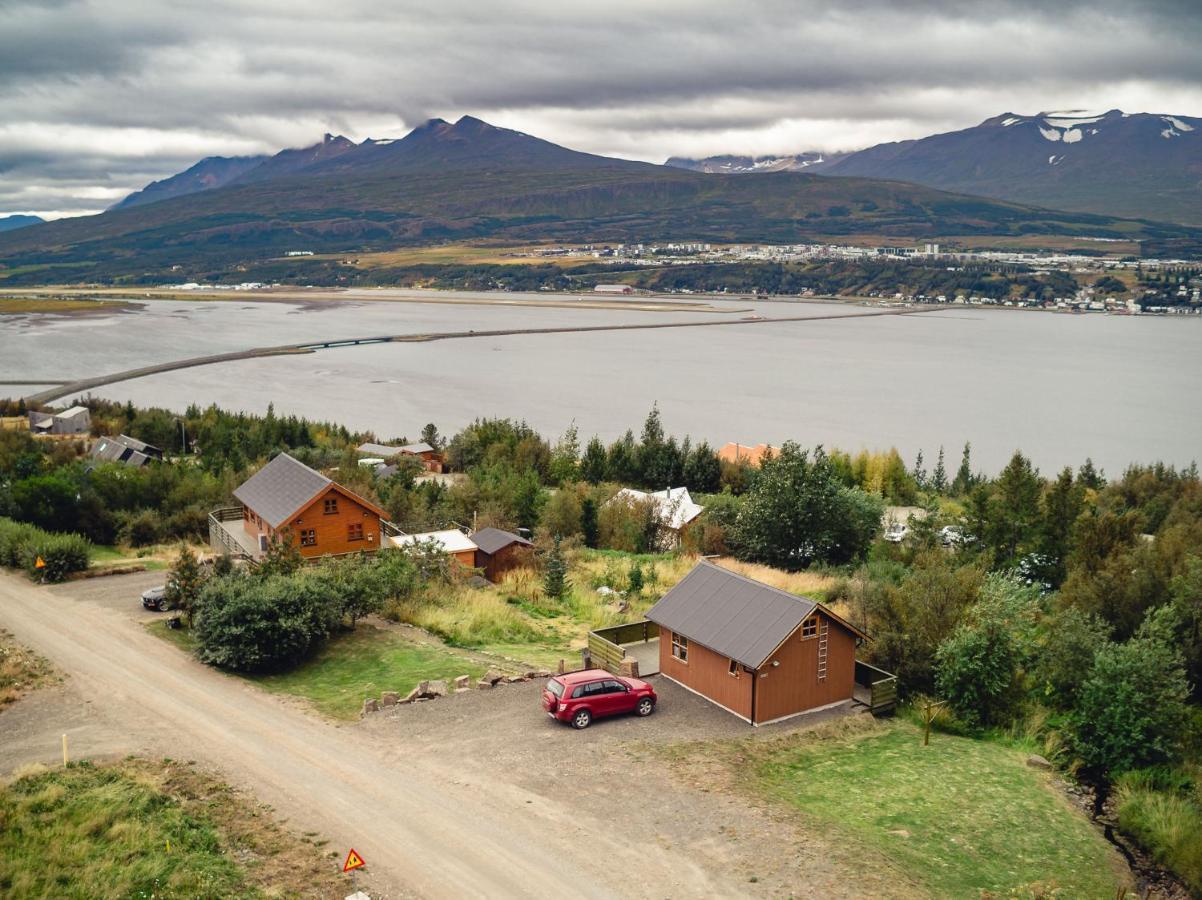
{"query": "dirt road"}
(420, 835)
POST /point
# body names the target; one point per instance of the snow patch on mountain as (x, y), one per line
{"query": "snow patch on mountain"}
(1050, 133)
(1176, 123)
(1072, 136)
(1013, 120)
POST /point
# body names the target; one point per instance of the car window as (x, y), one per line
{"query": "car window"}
(615, 687)
(579, 692)
(555, 687)
(597, 687)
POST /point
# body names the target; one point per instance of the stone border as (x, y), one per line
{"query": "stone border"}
(431, 690)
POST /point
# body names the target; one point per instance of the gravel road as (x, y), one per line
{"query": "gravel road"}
(476, 795)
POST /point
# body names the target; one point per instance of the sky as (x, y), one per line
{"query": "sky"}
(99, 98)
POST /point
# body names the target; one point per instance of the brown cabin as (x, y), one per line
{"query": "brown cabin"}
(499, 551)
(320, 516)
(756, 651)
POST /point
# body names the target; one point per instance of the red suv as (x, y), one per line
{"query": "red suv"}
(580, 697)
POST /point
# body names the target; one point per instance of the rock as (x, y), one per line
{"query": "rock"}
(436, 689)
(370, 705)
(463, 681)
(412, 695)
(542, 674)
(463, 690)
(1035, 761)
(513, 679)
(389, 698)
(483, 683)
(493, 676)
(358, 895)
(423, 688)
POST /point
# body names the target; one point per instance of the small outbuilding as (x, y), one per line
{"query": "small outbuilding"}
(125, 449)
(674, 508)
(431, 459)
(499, 551)
(76, 420)
(759, 652)
(453, 542)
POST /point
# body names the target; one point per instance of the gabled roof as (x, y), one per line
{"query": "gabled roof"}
(744, 453)
(417, 448)
(492, 540)
(732, 615)
(284, 487)
(389, 450)
(676, 508)
(450, 541)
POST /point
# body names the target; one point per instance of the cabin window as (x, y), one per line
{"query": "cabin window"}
(331, 506)
(733, 669)
(308, 537)
(809, 628)
(680, 647)
(354, 531)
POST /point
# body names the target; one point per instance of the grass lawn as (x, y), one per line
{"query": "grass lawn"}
(960, 817)
(364, 663)
(143, 829)
(352, 666)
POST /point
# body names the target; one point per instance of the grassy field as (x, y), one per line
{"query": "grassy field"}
(21, 670)
(363, 664)
(463, 253)
(139, 829)
(355, 665)
(960, 818)
(157, 557)
(14, 306)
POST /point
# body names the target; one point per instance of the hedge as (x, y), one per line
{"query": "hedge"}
(21, 545)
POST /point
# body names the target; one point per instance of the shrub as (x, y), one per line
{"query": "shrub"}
(253, 624)
(977, 672)
(22, 545)
(141, 529)
(1168, 823)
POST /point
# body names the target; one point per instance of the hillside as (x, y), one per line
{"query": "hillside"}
(811, 161)
(210, 173)
(1139, 165)
(11, 223)
(471, 180)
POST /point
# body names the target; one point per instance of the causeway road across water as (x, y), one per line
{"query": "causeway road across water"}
(71, 388)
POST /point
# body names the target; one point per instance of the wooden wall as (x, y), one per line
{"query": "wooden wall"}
(793, 686)
(495, 565)
(708, 673)
(331, 529)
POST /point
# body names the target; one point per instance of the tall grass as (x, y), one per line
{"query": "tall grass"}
(1165, 820)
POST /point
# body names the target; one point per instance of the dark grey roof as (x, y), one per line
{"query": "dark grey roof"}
(281, 489)
(123, 448)
(491, 540)
(384, 450)
(417, 448)
(732, 615)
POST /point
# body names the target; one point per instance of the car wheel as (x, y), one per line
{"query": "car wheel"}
(645, 707)
(163, 605)
(582, 719)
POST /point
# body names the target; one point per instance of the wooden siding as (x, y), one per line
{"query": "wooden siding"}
(332, 530)
(495, 565)
(793, 686)
(707, 673)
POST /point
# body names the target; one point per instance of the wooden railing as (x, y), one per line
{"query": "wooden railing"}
(881, 687)
(604, 644)
(220, 538)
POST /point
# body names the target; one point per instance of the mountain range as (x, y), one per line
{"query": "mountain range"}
(468, 179)
(1140, 165)
(11, 223)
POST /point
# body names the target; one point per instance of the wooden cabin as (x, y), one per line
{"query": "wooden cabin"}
(761, 653)
(499, 551)
(318, 515)
(453, 542)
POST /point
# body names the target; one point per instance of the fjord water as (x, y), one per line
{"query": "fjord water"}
(1061, 387)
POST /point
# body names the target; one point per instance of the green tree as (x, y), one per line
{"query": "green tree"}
(977, 672)
(1072, 639)
(562, 513)
(588, 521)
(1131, 710)
(283, 556)
(184, 583)
(622, 465)
(594, 466)
(1091, 477)
(702, 469)
(799, 512)
(431, 436)
(964, 480)
(919, 474)
(1062, 504)
(555, 574)
(565, 457)
(1012, 529)
(939, 475)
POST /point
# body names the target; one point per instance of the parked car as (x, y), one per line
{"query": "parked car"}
(580, 697)
(156, 598)
(896, 532)
(951, 535)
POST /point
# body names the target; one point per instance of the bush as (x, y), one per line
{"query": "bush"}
(252, 624)
(141, 529)
(22, 545)
(977, 672)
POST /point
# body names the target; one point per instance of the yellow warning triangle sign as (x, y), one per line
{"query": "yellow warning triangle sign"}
(353, 861)
(40, 563)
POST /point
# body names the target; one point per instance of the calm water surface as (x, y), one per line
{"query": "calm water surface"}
(1060, 387)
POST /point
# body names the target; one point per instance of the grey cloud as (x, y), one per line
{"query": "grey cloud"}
(136, 80)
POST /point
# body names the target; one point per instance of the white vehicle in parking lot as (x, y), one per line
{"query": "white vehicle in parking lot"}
(896, 532)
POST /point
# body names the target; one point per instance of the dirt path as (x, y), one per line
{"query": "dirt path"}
(423, 828)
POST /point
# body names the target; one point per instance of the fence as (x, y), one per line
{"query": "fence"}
(604, 644)
(881, 688)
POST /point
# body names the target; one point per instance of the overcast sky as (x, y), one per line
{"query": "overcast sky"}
(98, 98)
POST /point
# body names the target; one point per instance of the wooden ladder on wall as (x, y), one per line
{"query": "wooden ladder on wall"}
(824, 628)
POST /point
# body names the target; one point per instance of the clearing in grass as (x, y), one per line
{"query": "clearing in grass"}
(960, 818)
(148, 829)
(21, 670)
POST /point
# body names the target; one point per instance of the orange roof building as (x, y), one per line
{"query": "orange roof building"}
(745, 454)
